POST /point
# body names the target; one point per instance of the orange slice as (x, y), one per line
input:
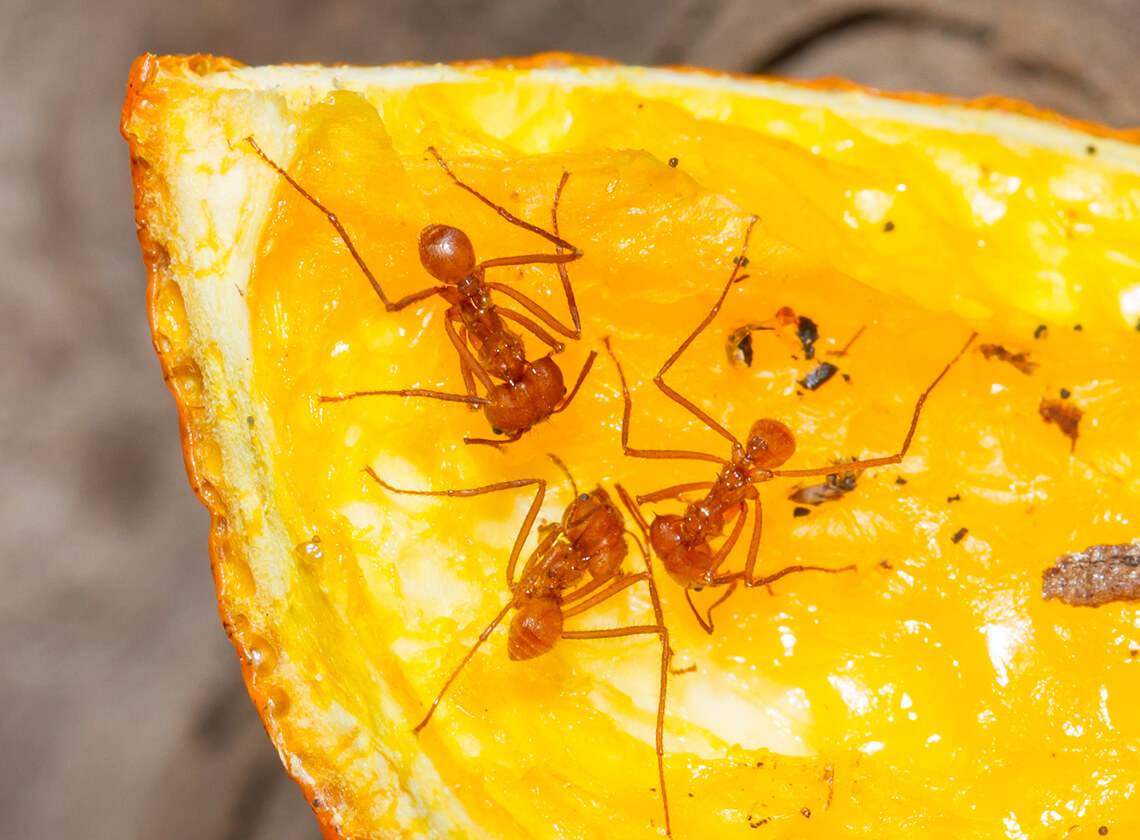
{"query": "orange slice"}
(931, 690)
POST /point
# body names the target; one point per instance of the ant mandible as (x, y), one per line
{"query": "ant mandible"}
(683, 542)
(588, 541)
(529, 392)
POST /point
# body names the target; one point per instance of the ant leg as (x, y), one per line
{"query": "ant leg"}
(533, 307)
(473, 401)
(727, 546)
(847, 346)
(538, 311)
(562, 406)
(614, 632)
(706, 622)
(562, 272)
(528, 522)
(622, 582)
(666, 649)
(886, 460)
(635, 512)
(408, 300)
(775, 576)
(748, 574)
(660, 630)
(487, 631)
(659, 378)
(628, 410)
(754, 542)
(465, 372)
(706, 626)
(510, 217)
(675, 492)
(492, 442)
(465, 360)
(465, 355)
(527, 323)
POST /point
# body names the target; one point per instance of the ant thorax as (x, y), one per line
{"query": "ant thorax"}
(561, 567)
(474, 291)
(501, 350)
(597, 530)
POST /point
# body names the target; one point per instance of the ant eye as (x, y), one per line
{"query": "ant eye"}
(585, 497)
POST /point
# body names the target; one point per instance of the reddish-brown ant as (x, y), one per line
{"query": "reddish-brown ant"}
(529, 392)
(588, 541)
(683, 542)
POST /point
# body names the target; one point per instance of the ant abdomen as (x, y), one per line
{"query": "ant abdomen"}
(770, 444)
(518, 405)
(447, 253)
(535, 628)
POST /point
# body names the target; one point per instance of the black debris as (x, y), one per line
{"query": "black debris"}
(959, 535)
(1095, 576)
(1018, 360)
(833, 487)
(740, 346)
(673, 162)
(1066, 393)
(888, 227)
(800, 511)
(808, 334)
(1042, 331)
(1063, 414)
(818, 375)
(957, 497)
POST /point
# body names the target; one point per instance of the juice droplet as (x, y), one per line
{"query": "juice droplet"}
(187, 381)
(276, 701)
(262, 656)
(310, 553)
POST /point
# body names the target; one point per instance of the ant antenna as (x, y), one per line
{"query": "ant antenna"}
(565, 470)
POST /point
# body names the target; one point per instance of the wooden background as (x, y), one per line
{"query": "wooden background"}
(122, 712)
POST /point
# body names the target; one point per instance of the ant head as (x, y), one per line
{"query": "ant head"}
(770, 444)
(586, 504)
(446, 253)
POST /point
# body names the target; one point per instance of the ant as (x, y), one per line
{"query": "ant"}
(588, 541)
(683, 542)
(530, 392)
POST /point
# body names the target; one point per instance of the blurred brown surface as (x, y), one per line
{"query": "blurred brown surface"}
(122, 712)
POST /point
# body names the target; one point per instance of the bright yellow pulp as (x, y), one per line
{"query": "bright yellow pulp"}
(932, 686)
